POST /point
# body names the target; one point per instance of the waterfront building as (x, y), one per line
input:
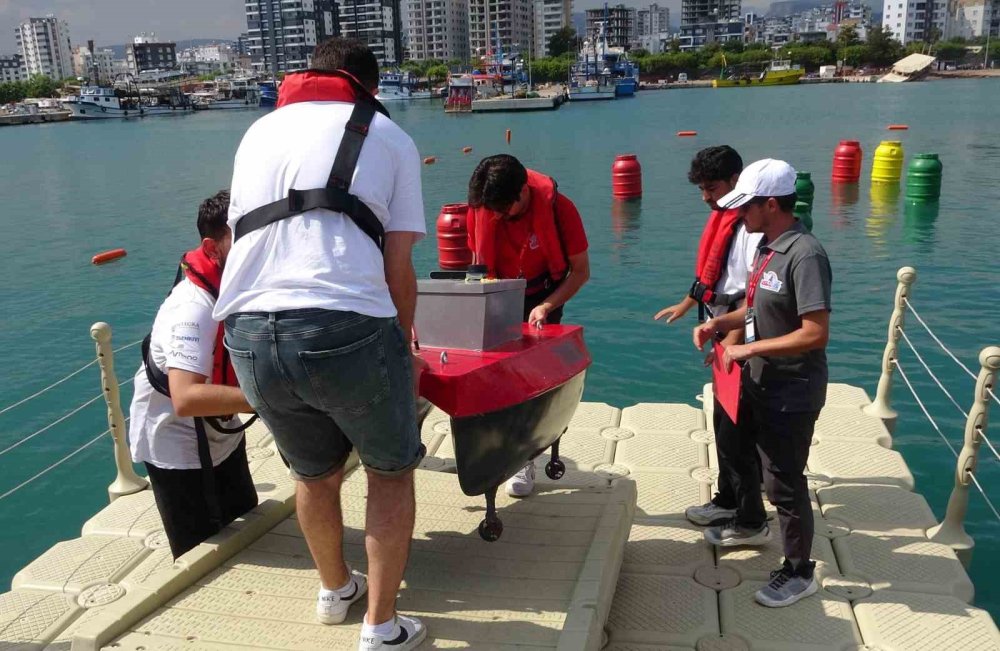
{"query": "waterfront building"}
(377, 24)
(910, 21)
(11, 68)
(91, 63)
(653, 20)
(498, 27)
(976, 18)
(550, 17)
(281, 34)
(621, 25)
(45, 47)
(698, 35)
(437, 29)
(697, 12)
(146, 52)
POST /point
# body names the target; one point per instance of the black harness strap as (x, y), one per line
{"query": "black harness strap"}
(335, 196)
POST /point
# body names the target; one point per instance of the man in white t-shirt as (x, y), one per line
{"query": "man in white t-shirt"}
(319, 319)
(725, 256)
(194, 495)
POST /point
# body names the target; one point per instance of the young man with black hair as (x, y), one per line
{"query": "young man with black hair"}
(786, 325)
(521, 226)
(318, 304)
(185, 345)
(725, 253)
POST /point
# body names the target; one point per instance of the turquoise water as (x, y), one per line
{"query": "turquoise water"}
(68, 191)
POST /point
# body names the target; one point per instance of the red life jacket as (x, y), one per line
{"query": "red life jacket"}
(205, 273)
(713, 253)
(317, 86)
(482, 225)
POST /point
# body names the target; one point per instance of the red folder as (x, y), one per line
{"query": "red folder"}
(726, 384)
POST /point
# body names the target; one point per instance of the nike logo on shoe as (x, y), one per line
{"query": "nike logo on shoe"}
(353, 594)
(402, 637)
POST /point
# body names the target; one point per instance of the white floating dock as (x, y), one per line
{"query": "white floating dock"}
(603, 556)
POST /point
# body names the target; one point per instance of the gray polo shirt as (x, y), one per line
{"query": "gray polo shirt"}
(796, 281)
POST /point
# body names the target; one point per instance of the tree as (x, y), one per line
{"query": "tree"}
(437, 72)
(40, 86)
(847, 36)
(950, 51)
(675, 45)
(883, 48)
(564, 40)
(855, 56)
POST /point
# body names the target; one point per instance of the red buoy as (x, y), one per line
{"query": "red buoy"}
(686, 134)
(108, 256)
(453, 237)
(626, 177)
(508, 136)
(847, 162)
(430, 160)
(898, 127)
(466, 150)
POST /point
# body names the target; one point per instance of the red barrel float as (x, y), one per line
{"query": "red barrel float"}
(453, 237)
(108, 256)
(626, 177)
(847, 162)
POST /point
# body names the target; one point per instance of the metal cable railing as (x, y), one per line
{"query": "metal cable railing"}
(939, 342)
(57, 421)
(944, 438)
(56, 464)
(58, 382)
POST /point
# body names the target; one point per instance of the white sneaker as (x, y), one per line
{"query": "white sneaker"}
(407, 634)
(522, 483)
(333, 609)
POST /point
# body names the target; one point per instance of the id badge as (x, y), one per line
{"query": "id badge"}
(750, 333)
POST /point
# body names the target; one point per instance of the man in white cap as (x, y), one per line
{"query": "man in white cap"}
(786, 321)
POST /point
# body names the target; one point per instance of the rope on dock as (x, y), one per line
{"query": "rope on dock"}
(58, 382)
(59, 420)
(939, 342)
(57, 463)
(964, 413)
(944, 438)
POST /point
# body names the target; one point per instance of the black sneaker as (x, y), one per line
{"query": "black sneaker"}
(734, 535)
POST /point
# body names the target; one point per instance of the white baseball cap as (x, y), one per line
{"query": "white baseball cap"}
(763, 178)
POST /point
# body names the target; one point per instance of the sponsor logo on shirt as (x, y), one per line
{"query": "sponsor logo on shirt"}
(770, 282)
(176, 354)
(184, 338)
(533, 242)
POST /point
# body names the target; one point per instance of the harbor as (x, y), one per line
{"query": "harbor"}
(640, 397)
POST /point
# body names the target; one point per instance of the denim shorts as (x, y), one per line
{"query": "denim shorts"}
(325, 382)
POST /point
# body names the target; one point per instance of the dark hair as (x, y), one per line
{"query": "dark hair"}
(785, 202)
(349, 55)
(715, 164)
(213, 214)
(497, 182)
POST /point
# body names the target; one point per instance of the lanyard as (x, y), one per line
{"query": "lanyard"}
(755, 279)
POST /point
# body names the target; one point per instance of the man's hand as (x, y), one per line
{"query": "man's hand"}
(539, 314)
(737, 353)
(419, 366)
(703, 332)
(673, 312)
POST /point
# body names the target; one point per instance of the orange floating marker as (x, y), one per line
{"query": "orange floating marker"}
(430, 160)
(898, 127)
(508, 136)
(466, 150)
(686, 134)
(108, 256)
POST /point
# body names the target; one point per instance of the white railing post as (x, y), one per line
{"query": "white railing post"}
(951, 531)
(127, 482)
(880, 407)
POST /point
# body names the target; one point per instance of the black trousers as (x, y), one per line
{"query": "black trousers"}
(734, 492)
(184, 507)
(783, 440)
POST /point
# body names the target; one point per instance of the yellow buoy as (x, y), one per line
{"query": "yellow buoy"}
(887, 166)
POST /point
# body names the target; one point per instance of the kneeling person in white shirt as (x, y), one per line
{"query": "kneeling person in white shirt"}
(197, 464)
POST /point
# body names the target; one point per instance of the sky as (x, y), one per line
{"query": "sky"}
(114, 22)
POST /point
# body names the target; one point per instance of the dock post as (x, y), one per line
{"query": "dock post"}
(127, 482)
(951, 531)
(880, 407)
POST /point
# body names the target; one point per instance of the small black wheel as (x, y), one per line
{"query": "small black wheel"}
(555, 469)
(490, 531)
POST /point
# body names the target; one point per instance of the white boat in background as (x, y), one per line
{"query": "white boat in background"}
(125, 100)
(398, 86)
(226, 94)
